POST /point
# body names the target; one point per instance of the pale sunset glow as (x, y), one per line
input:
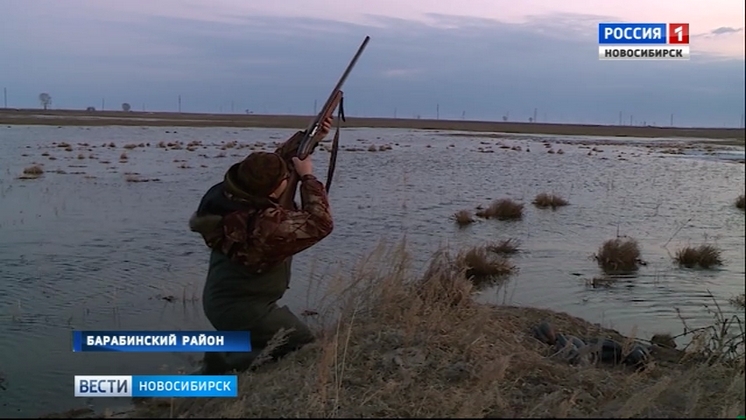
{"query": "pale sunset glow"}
(481, 58)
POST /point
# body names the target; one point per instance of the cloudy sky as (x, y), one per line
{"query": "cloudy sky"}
(478, 59)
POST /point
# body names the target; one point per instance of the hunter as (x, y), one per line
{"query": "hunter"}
(252, 240)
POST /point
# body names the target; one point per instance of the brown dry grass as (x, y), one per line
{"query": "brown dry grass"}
(504, 247)
(545, 200)
(502, 209)
(741, 202)
(704, 256)
(482, 268)
(409, 346)
(463, 217)
(33, 170)
(619, 255)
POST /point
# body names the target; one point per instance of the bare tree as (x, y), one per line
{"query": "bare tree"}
(45, 100)
(126, 107)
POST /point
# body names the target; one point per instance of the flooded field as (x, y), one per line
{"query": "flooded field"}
(90, 245)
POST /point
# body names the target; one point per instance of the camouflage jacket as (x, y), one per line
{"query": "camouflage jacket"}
(262, 236)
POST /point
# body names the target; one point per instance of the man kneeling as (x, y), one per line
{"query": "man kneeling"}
(252, 241)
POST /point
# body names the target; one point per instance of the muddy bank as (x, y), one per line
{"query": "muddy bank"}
(406, 346)
(105, 118)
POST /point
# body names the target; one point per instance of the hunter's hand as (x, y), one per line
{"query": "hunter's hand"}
(303, 167)
(326, 127)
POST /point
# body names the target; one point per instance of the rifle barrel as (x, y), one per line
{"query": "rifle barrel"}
(341, 81)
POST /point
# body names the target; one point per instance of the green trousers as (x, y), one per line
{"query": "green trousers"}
(235, 299)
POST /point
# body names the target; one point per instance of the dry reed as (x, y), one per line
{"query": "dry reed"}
(33, 170)
(407, 346)
(545, 200)
(704, 256)
(505, 247)
(481, 268)
(463, 217)
(619, 255)
(502, 209)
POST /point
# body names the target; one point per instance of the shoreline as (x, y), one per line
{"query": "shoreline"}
(734, 136)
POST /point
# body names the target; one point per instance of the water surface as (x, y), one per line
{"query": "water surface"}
(85, 249)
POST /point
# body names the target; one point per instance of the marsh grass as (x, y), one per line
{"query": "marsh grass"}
(703, 256)
(544, 200)
(505, 247)
(481, 267)
(619, 255)
(463, 218)
(404, 345)
(741, 202)
(502, 209)
(721, 341)
(32, 172)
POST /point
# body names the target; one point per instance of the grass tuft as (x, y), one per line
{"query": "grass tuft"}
(502, 209)
(619, 255)
(504, 247)
(704, 256)
(545, 200)
(482, 268)
(463, 218)
(33, 170)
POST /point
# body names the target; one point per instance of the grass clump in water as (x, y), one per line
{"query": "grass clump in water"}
(741, 202)
(463, 218)
(503, 209)
(619, 255)
(32, 172)
(481, 268)
(704, 256)
(504, 247)
(552, 201)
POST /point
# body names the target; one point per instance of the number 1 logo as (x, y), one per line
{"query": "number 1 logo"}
(678, 33)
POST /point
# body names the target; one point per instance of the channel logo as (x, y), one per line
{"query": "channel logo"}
(643, 41)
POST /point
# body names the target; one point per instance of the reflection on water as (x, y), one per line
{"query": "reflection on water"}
(92, 251)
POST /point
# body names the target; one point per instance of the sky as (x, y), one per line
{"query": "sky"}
(468, 59)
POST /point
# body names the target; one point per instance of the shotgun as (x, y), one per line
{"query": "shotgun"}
(303, 143)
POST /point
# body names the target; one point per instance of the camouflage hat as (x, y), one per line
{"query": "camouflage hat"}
(261, 173)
